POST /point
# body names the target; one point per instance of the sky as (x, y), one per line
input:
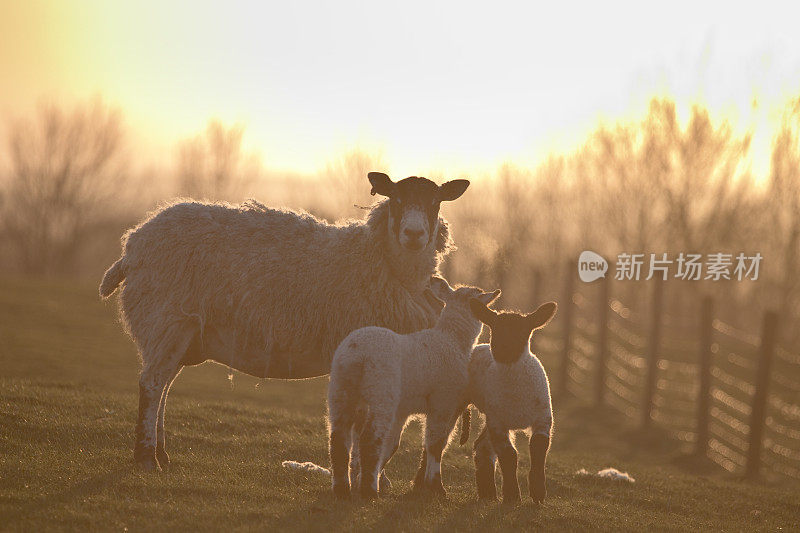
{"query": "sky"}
(454, 87)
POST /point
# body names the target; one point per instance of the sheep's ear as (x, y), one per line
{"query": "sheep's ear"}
(452, 189)
(481, 312)
(440, 287)
(488, 297)
(433, 300)
(381, 184)
(542, 316)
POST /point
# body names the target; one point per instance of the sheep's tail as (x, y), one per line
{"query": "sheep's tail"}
(465, 425)
(112, 278)
(308, 466)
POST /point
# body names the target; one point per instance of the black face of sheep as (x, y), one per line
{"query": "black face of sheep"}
(414, 206)
(511, 332)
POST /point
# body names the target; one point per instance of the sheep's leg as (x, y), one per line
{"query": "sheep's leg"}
(371, 446)
(152, 383)
(390, 446)
(437, 431)
(507, 456)
(485, 460)
(355, 464)
(384, 483)
(419, 478)
(161, 444)
(355, 459)
(160, 366)
(536, 479)
(340, 444)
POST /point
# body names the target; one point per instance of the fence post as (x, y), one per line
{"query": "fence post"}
(566, 320)
(769, 334)
(602, 339)
(653, 347)
(703, 399)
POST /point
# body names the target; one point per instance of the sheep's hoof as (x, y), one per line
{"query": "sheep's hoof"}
(487, 494)
(538, 489)
(341, 491)
(368, 493)
(148, 463)
(384, 483)
(437, 489)
(163, 457)
(145, 458)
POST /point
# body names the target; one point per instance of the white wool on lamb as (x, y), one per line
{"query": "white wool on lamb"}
(608, 473)
(270, 292)
(380, 378)
(509, 386)
(307, 466)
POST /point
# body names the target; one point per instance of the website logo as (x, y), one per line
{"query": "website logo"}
(591, 266)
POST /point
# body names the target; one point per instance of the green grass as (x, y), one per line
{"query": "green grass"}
(67, 409)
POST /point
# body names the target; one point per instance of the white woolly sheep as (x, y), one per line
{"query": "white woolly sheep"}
(271, 292)
(380, 378)
(508, 384)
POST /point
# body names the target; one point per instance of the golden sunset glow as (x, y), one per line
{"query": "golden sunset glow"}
(309, 265)
(447, 87)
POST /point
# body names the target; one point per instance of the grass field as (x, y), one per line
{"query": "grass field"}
(68, 384)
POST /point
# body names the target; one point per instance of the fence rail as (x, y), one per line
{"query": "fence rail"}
(732, 394)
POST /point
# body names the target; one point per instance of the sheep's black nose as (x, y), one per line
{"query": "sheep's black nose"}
(413, 233)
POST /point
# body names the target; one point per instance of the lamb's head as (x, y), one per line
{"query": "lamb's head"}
(457, 301)
(414, 207)
(511, 332)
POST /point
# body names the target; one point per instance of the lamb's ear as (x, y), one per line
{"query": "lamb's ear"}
(488, 297)
(440, 287)
(452, 189)
(381, 184)
(481, 312)
(433, 301)
(542, 316)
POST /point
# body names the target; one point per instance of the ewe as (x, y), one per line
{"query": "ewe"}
(508, 384)
(271, 292)
(380, 378)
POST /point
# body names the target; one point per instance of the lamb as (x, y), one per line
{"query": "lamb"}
(508, 384)
(380, 378)
(271, 292)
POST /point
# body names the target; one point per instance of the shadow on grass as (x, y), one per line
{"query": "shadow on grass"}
(82, 489)
(408, 510)
(696, 464)
(601, 428)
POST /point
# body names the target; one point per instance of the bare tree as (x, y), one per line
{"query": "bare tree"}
(345, 180)
(659, 184)
(623, 200)
(213, 164)
(782, 208)
(700, 173)
(65, 170)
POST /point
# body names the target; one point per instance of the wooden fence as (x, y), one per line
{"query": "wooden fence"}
(730, 395)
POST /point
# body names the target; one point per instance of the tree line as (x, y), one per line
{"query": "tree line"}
(650, 184)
